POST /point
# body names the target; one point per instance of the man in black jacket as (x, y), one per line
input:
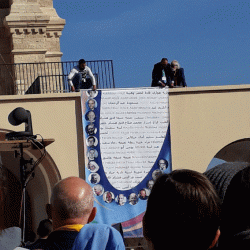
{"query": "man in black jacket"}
(161, 74)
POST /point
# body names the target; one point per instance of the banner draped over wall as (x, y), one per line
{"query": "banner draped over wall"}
(127, 145)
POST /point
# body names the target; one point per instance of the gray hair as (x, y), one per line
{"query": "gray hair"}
(175, 61)
(69, 207)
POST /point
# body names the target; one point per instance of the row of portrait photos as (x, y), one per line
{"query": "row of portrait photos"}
(95, 179)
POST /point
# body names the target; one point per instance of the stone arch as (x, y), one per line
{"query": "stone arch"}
(39, 188)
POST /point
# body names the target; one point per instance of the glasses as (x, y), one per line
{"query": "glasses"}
(175, 65)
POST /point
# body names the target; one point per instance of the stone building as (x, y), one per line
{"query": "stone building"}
(30, 32)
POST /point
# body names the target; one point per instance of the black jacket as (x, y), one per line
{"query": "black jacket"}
(157, 74)
(181, 81)
(58, 240)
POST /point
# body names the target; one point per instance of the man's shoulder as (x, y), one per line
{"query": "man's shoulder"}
(157, 64)
(39, 244)
(76, 67)
(99, 236)
(61, 240)
(61, 234)
(181, 70)
(87, 68)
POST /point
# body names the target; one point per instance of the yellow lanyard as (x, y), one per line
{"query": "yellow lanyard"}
(73, 227)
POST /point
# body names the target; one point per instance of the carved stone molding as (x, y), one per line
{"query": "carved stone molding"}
(53, 54)
(28, 51)
(19, 31)
(35, 28)
(56, 34)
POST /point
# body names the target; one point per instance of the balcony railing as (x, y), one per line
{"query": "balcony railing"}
(49, 77)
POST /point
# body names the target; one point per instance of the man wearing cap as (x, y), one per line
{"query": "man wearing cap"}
(78, 77)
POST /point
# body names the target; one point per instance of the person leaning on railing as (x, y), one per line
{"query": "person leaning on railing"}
(177, 75)
(77, 77)
(161, 74)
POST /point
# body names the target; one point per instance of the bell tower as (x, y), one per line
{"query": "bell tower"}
(34, 29)
(30, 32)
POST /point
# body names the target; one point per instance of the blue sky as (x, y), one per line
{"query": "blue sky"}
(209, 38)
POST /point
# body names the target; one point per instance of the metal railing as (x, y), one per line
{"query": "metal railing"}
(49, 77)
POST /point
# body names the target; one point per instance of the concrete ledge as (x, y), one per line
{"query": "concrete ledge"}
(28, 51)
(209, 89)
(31, 97)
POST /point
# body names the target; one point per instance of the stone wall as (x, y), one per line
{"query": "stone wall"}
(30, 33)
(6, 72)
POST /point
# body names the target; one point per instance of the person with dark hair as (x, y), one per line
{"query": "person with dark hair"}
(77, 77)
(183, 212)
(91, 141)
(44, 228)
(43, 231)
(232, 182)
(161, 74)
(177, 75)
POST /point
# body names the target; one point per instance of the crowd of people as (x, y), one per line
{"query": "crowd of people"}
(163, 75)
(185, 209)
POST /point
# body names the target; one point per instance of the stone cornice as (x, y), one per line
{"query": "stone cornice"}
(34, 28)
(26, 12)
(20, 23)
(53, 33)
(53, 54)
(28, 51)
(28, 30)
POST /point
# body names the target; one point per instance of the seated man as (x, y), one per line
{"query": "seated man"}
(77, 77)
(182, 212)
(71, 208)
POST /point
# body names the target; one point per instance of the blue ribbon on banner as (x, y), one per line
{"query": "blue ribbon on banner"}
(113, 205)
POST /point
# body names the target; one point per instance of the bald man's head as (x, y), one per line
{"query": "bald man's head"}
(72, 201)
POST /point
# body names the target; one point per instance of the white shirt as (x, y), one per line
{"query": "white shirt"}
(86, 71)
